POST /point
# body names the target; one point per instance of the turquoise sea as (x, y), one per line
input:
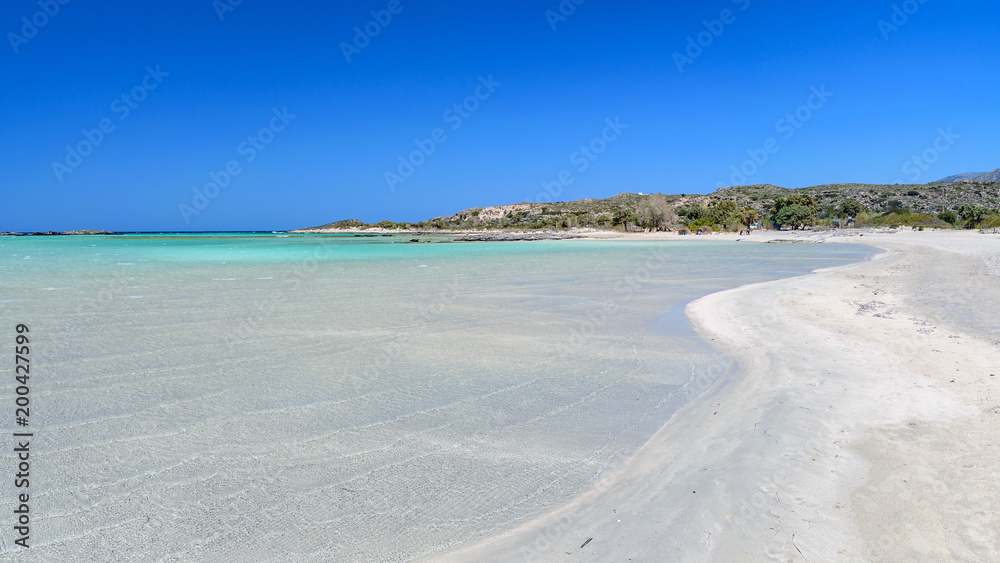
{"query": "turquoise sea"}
(338, 398)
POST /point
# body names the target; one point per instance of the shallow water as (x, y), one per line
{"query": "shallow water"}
(337, 398)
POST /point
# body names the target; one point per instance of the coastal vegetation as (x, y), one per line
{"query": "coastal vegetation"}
(944, 205)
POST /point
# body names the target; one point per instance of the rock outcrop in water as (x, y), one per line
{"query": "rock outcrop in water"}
(499, 236)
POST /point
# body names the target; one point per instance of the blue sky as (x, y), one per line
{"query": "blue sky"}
(696, 90)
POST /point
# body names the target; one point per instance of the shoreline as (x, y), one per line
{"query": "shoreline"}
(861, 423)
(504, 235)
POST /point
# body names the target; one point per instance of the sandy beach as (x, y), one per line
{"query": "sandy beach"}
(860, 421)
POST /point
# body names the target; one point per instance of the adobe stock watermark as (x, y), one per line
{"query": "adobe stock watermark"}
(223, 7)
(901, 14)
(426, 315)
(363, 35)
(582, 159)
(559, 527)
(122, 106)
(293, 277)
(456, 117)
(249, 149)
(113, 290)
(916, 166)
(31, 26)
(697, 44)
(624, 290)
(787, 126)
(563, 11)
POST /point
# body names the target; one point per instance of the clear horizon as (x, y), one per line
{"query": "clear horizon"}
(229, 115)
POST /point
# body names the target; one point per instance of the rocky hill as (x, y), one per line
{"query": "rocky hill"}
(668, 210)
(931, 198)
(975, 177)
(990, 176)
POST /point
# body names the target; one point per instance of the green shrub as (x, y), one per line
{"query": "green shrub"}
(973, 215)
(692, 213)
(863, 220)
(701, 222)
(851, 208)
(922, 220)
(723, 213)
(991, 222)
(795, 216)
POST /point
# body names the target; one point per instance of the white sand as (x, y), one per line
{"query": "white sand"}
(863, 423)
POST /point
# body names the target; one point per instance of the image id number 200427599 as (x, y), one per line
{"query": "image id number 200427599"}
(22, 438)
